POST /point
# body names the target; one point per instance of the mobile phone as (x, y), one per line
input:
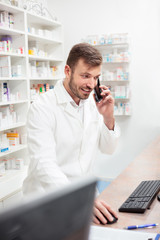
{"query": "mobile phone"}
(97, 91)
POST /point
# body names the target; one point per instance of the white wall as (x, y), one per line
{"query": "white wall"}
(141, 19)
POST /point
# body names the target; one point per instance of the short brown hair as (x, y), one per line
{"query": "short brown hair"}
(85, 51)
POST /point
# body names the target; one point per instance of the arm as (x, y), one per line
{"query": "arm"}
(106, 107)
(110, 131)
(42, 148)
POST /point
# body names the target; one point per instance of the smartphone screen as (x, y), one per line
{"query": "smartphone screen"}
(97, 92)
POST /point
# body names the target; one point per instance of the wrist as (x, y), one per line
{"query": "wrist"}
(110, 122)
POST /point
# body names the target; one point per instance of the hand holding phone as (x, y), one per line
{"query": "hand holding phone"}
(97, 91)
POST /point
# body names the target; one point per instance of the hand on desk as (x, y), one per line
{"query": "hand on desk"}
(102, 208)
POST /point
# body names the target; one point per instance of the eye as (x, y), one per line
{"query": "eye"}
(85, 76)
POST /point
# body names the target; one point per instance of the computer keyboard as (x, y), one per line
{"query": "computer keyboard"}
(142, 197)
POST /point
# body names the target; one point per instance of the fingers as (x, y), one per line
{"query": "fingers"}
(98, 214)
(110, 209)
(95, 220)
(103, 211)
(109, 99)
(106, 94)
(105, 90)
(106, 99)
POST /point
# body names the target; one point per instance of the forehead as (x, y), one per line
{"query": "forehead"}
(81, 66)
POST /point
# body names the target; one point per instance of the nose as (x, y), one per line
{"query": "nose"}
(91, 83)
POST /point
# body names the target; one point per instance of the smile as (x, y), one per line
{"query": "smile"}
(86, 90)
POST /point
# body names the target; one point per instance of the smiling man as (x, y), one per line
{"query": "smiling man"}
(66, 127)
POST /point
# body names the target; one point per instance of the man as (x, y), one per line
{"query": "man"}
(66, 127)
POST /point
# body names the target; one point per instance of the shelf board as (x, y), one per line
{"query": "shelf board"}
(12, 54)
(113, 45)
(10, 31)
(38, 38)
(13, 149)
(47, 79)
(115, 81)
(10, 8)
(121, 99)
(31, 57)
(12, 79)
(13, 102)
(12, 181)
(43, 21)
(124, 62)
(16, 125)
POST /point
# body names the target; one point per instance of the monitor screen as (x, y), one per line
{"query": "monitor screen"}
(64, 214)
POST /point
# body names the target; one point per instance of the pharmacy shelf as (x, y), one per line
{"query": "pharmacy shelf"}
(23, 20)
(37, 19)
(116, 60)
(11, 181)
(13, 149)
(10, 8)
(37, 38)
(37, 58)
(9, 31)
(12, 54)
(13, 102)
(16, 125)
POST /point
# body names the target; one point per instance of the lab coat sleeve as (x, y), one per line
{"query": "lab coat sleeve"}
(109, 139)
(41, 145)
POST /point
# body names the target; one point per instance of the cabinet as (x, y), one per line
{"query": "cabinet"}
(31, 58)
(115, 68)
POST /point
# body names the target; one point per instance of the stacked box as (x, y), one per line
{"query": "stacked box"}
(5, 66)
(13, 138)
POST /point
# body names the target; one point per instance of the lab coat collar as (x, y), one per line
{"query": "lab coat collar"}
(59, 92)
(65, 100)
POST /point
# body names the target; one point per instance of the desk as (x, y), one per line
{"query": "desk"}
(145, 167)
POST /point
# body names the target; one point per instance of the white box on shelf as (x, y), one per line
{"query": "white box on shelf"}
(5, 65)
(19, 163)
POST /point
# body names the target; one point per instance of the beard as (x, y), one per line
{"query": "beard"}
(74, 89)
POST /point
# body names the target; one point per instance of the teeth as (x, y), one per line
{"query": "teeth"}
(85, 90)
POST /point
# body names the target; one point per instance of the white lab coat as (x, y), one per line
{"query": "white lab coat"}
(61, 146)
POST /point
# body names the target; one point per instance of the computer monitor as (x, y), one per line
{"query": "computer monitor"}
(64, 214)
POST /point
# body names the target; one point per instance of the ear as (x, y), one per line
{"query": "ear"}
(67, 71)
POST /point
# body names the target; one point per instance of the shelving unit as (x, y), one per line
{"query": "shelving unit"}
(115, 70)
(28, 29)
(52, 50)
